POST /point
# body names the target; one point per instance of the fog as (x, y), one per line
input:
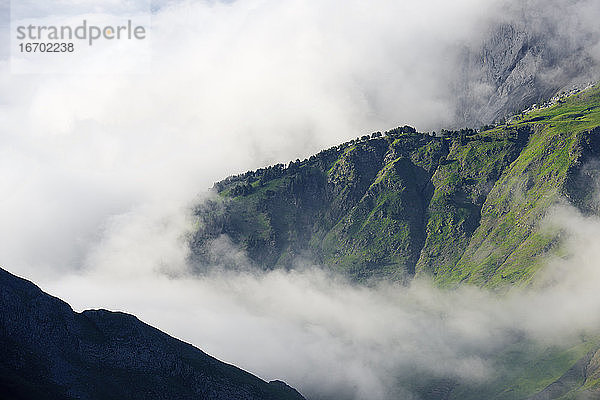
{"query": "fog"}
(334, 339)
(99, 171)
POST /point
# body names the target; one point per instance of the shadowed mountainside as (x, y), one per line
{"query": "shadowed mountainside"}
(50, 352)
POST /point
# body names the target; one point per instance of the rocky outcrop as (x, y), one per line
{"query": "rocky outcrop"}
(518, 65)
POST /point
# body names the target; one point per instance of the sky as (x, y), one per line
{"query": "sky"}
(102, 158)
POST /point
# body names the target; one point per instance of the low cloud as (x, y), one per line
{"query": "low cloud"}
(331, 338)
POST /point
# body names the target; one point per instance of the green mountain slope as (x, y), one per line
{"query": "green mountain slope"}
(460, 206)
(508, 244)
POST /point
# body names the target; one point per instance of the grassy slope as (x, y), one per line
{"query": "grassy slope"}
(462, 184)
(461, 209)
(382, 232)
(508, 245)
(525, 368)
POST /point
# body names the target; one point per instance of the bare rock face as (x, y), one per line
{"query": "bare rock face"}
(50, 352)
(518, 65)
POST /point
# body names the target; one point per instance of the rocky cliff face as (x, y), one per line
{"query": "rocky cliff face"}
(464, 206)
(518, 65)
(50, 352)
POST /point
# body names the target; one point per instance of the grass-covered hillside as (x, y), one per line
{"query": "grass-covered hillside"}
(461, 206)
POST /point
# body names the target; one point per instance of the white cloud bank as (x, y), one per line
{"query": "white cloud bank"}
(333, 339)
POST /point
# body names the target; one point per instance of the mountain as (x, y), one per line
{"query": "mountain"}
(460, 206)
(50, 352)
